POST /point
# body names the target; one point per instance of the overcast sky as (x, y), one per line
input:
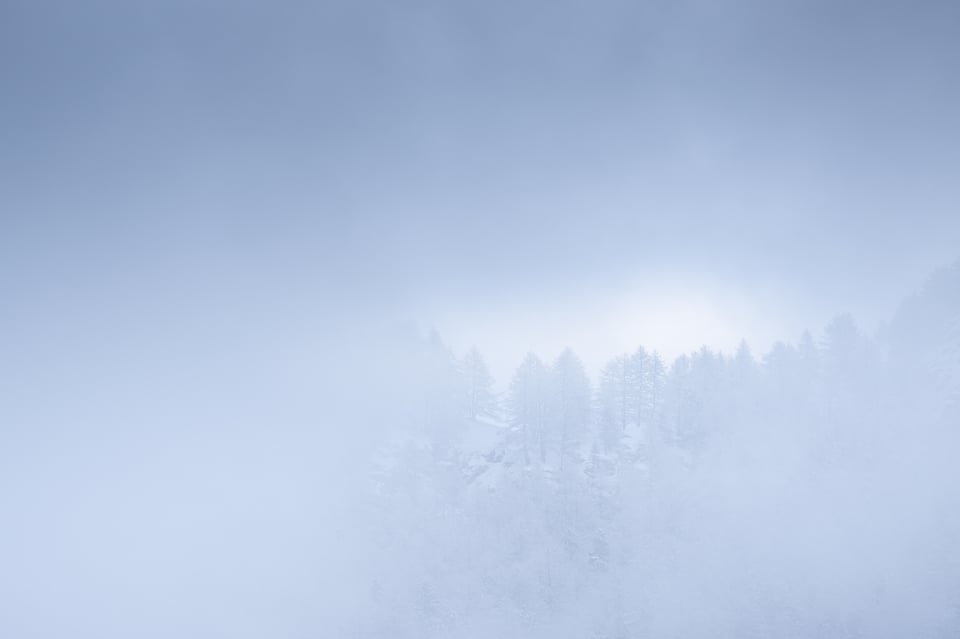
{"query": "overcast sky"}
(210, 210)
(518, 174)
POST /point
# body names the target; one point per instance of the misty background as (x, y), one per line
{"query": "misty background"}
(221, 224)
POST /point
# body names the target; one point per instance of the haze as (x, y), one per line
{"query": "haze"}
(229, 230)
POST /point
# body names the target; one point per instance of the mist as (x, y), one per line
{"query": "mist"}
(469, 319)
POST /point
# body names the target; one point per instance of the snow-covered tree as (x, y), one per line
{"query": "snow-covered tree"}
(527, 403)
(481, 400)
(617, 401)
(569, 405)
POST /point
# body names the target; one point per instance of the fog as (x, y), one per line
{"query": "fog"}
(479, 319)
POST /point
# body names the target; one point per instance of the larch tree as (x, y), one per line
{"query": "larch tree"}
(481, 400)
(617, 400)
(569, 403)
(527, 403)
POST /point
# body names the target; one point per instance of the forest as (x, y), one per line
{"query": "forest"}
(806, 492)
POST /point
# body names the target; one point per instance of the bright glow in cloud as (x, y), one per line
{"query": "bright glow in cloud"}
(672, 315)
